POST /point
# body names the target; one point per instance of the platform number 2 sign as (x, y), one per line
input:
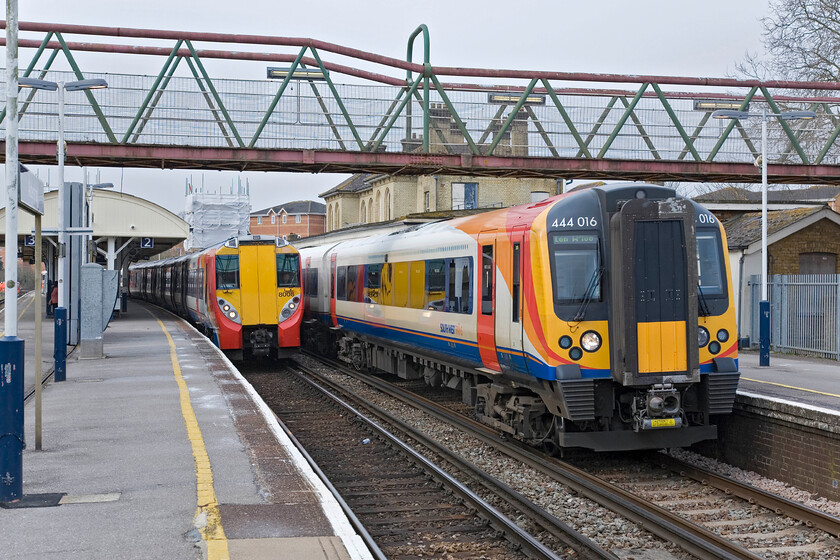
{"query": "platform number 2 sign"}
(147, 242)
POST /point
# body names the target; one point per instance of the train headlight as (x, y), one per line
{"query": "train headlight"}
(590, 341)
(289, 309)
(723, 335)
(229, 310)
(702, 337)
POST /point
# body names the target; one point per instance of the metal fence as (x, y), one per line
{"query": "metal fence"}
(352, 118)
(804, 313)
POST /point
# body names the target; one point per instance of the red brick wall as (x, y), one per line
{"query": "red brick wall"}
(310, 224)
(798, 446)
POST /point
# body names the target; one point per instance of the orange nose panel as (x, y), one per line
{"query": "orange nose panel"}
(662, 347)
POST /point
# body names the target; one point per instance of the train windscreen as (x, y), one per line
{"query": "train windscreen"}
(709, 263)
(288, 273)
(576, 264)
(227, 272)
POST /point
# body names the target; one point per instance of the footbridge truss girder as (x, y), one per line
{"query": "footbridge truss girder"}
(383, 115)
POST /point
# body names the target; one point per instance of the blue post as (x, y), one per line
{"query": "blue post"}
(11, 418)
(60, 344)
(764, 333)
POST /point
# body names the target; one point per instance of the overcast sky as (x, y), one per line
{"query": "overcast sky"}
(663, 37)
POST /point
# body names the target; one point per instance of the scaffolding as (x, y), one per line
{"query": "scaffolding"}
(216, 216)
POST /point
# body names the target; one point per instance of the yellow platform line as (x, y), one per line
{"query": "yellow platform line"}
(208, 506)
(791, 387)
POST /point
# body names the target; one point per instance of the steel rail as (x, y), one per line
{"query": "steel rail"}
(781, 506)
(354, 521)
(692, 538)
(515, 534)
(582, 545)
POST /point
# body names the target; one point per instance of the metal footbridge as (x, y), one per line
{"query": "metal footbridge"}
(339, 109)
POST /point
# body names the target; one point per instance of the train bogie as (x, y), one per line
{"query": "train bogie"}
(599, 319)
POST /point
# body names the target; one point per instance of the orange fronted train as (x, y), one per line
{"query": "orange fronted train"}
(601, 318)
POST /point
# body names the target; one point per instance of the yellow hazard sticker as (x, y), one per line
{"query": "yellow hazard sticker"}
(663, 423)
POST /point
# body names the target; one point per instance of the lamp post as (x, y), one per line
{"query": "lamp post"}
(60, 372)
(764, 304)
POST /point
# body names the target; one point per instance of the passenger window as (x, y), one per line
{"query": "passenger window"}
(417, 285)
(459, 292)
(373, 281)
(312, 282)
(341, 286)
(401, 284)
(517, 257)
(352, 277)
(435, 284)
(386, 292)
(227, 272)
(487, 271)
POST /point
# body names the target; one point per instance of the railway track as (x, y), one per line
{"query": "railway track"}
(719, 517)
(408, 505)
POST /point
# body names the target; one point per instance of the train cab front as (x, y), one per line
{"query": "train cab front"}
(669, 291)
(643, 320)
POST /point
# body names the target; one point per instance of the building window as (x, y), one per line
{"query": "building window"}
(387, 204)
(273, 219)
(297, 219)
(426, 199)
(284, 218)
(259, 220)
(464, 196)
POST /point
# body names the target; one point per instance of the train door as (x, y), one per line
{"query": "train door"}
(513, 323)
(487, 301)
(258, 284)
(309, 284)
(661, 296)
(332, 289)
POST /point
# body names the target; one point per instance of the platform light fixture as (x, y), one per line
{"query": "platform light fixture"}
(719, 104)
(513, 98)
(274, 73)
(764, 305)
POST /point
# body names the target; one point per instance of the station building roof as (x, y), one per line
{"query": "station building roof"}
(114, 214)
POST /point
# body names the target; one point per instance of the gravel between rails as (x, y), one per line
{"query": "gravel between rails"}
(608, 530)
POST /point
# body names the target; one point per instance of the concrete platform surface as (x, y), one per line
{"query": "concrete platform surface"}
(161, 450)
(801, 380)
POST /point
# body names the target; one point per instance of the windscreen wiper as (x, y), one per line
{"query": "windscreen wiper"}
(704, 310)
(589, 294)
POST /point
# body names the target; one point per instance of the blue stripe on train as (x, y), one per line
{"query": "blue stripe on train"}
(461, 349)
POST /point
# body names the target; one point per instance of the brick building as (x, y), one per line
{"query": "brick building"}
(301, 218)
(799, 241)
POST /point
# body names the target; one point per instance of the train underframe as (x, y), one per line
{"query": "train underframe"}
(596, 414)
(259, 342)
